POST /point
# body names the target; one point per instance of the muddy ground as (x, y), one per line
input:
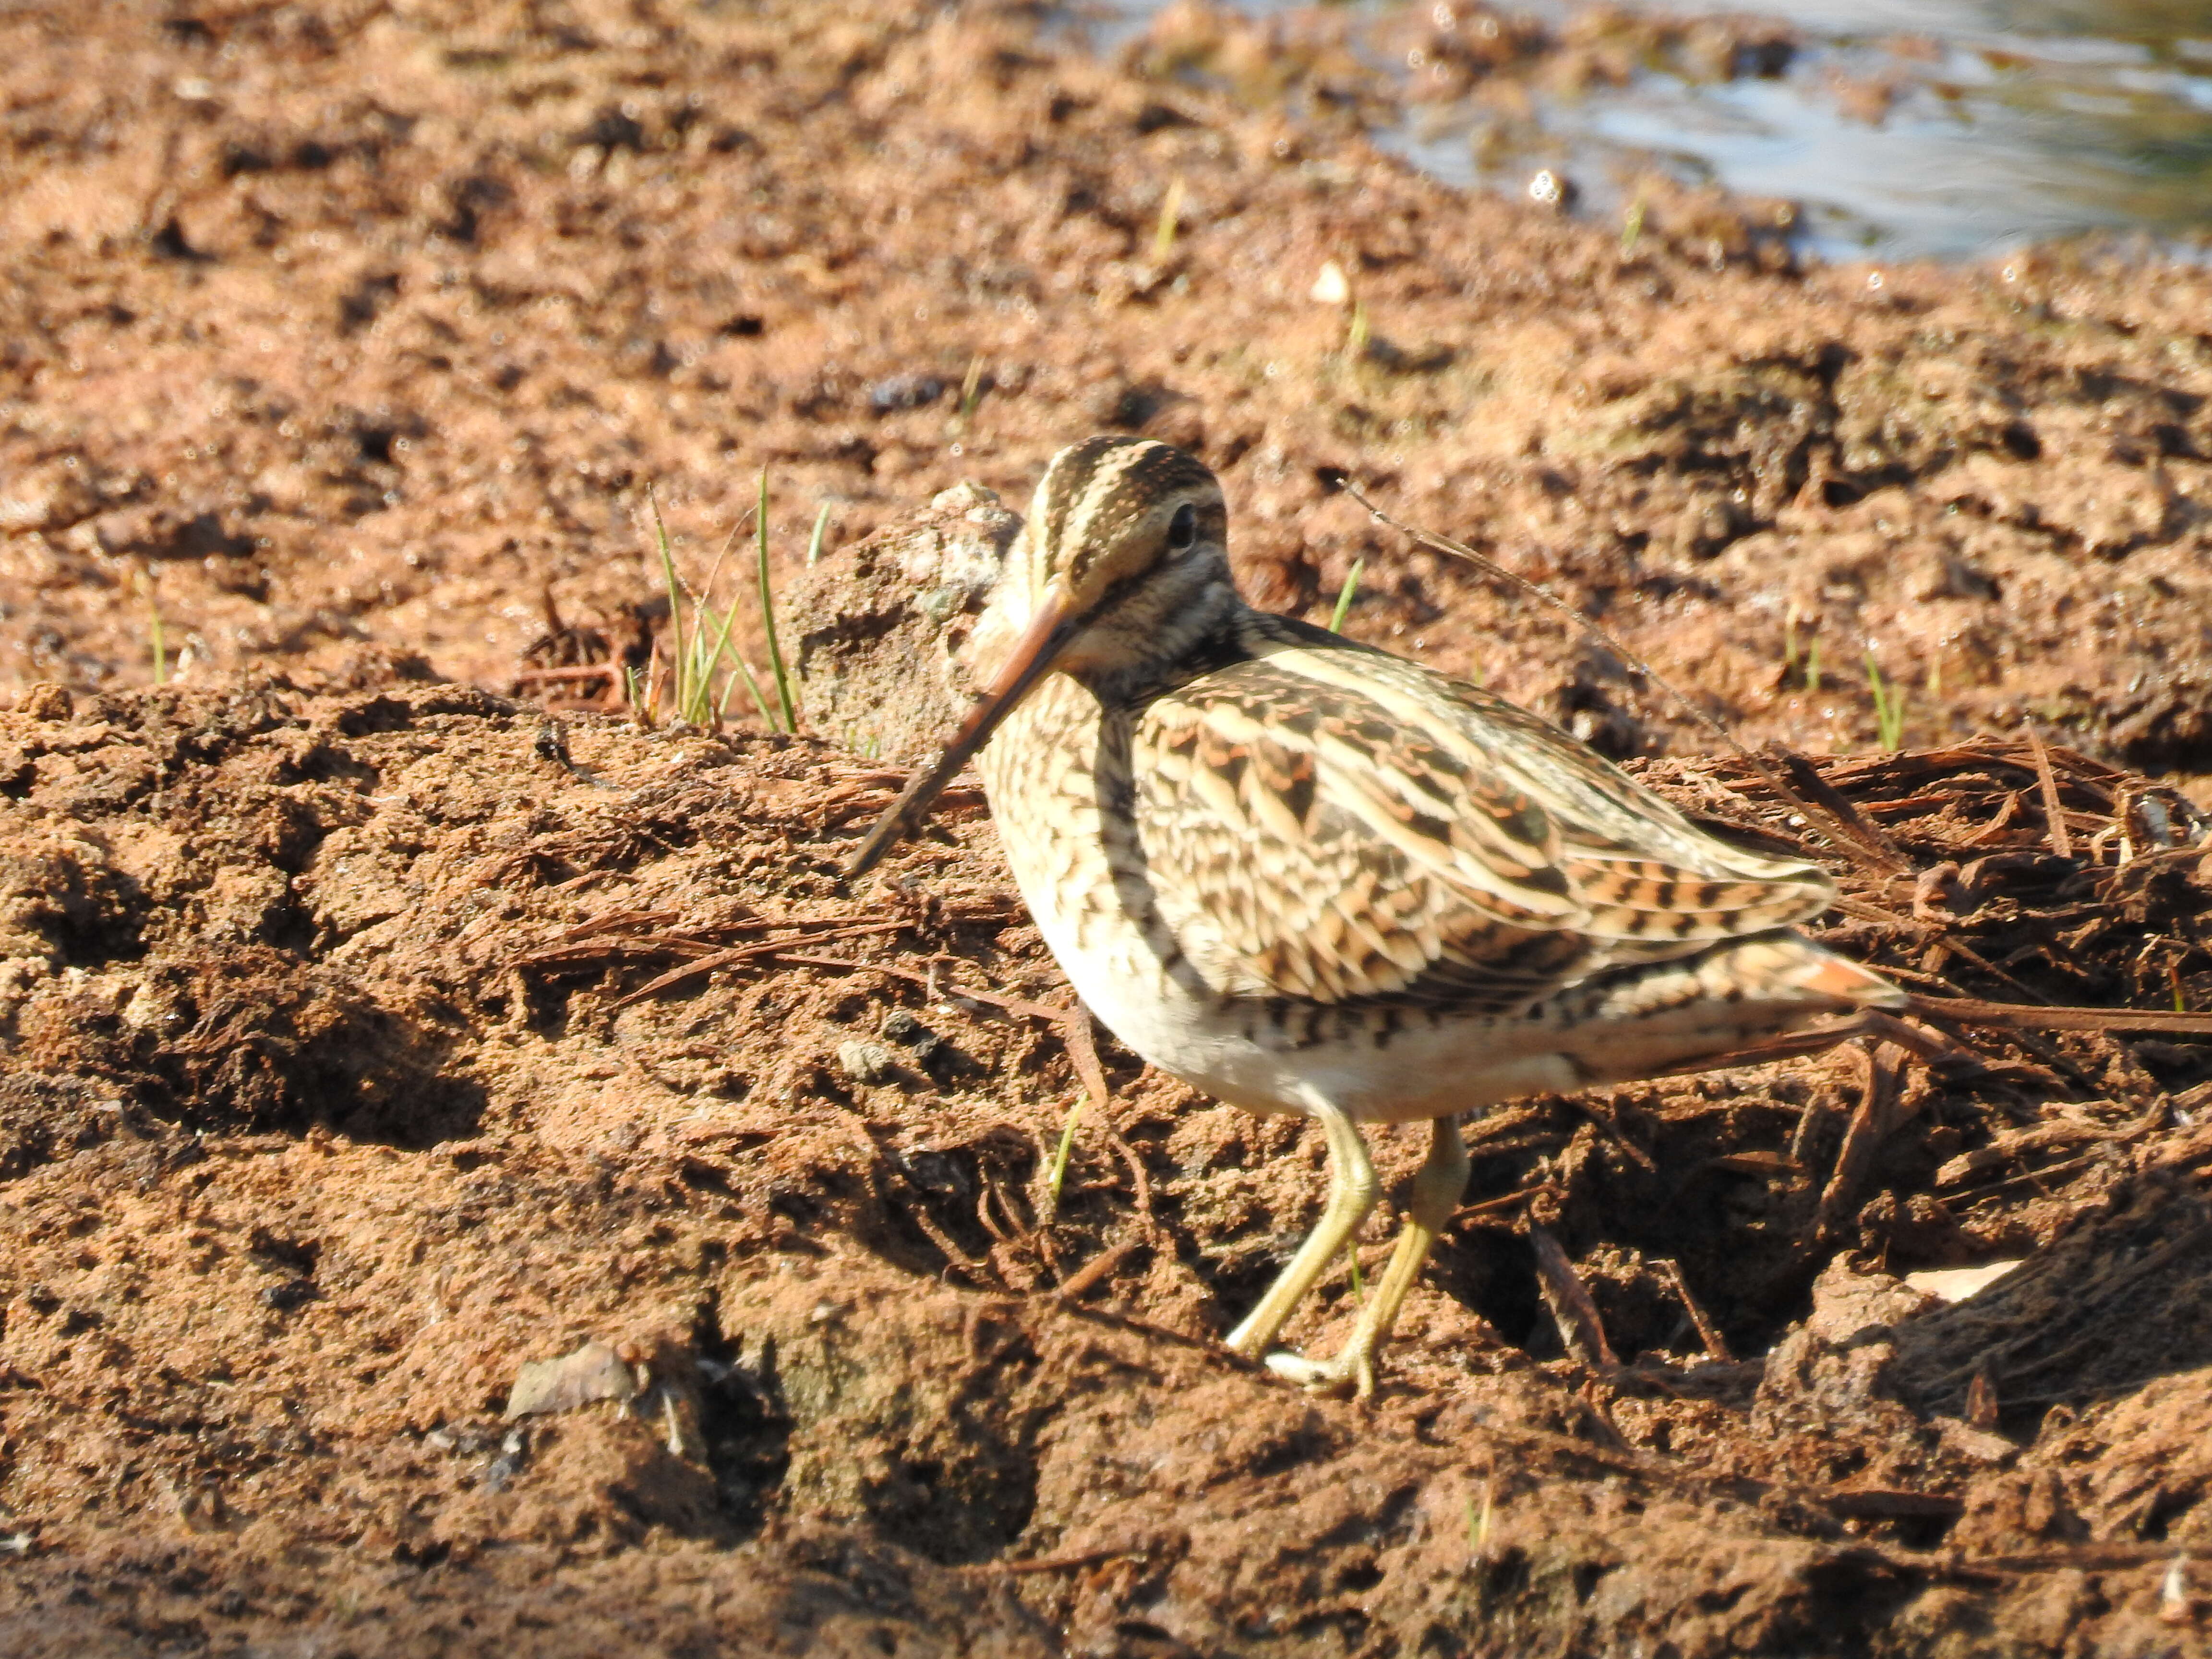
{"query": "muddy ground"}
(327, 324)
(373, 1032)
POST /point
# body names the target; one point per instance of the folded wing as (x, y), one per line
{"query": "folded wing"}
(1329, 822)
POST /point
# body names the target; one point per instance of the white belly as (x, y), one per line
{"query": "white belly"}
(1239, 1053)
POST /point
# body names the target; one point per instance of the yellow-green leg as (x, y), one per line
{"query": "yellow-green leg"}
(1439, 1187)
(1351, 1193)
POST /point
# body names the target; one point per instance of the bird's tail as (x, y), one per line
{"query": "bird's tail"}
(1661, 1016)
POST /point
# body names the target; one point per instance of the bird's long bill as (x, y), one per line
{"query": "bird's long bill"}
(1032, 658)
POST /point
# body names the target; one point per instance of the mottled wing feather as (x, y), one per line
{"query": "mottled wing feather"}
(1329, 822)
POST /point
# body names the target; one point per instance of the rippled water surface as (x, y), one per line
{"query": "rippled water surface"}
(1953, 128)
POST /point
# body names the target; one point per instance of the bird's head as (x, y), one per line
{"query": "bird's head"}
(1122, 560)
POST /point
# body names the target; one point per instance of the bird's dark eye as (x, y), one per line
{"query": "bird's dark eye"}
(1182, 529)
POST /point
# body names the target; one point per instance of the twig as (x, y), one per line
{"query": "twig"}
(985, 1190)
(1580, 1329)
(1716, 1345)
(1492, 1205)
(1989, 832)
(1053, 1563)
(2054, 815)
(2005, 1017)
(708, 964)
(1099, 1268)
(1929, 1045)
(2084, 1557)
(607, 670)
(1838, 805)
(1074, 1023)
(1861, 911)
(1869, 1127)
(612, 919)
(2040, 1179)
(677, 943)
(1605, 1125)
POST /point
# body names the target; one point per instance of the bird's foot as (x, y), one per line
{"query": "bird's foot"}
(1349, 1373)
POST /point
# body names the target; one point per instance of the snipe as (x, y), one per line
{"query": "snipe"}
(1308, 876)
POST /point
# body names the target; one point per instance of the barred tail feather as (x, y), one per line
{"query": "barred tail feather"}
(1641, 1020)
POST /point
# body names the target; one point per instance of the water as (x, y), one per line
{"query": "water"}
(1956, 129)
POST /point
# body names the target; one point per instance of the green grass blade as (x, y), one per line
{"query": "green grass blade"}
(711, 660)
(675, 654)
(723, 652)
(752, 690)
(767, 619)
(1058, 1174)
(1343, 595)
(1164, 233)
(1888, 705)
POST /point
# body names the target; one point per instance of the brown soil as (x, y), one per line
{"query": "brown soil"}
(343, 322)
(369, 1046)
(371, 1036)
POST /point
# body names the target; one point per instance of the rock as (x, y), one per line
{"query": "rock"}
(876, 627)
(899, 391)
(1973, 1445)
(46, 701)
(592, 1371)
(1829, 1375)
(1959, 1284)
(866, 1062)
